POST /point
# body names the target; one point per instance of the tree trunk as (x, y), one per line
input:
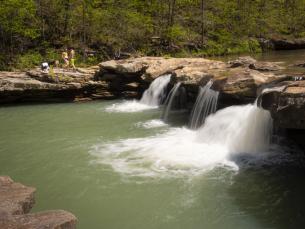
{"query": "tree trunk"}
(202, 22)
(67, 16)
(84, 21)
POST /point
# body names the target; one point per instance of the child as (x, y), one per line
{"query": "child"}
(65, 58)
(72, 58)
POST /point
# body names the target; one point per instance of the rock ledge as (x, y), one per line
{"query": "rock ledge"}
(16, 201)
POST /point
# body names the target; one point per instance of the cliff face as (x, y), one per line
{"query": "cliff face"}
(16, 201)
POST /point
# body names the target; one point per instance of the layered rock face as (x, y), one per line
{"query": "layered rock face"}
(286, 102)
(57, 85)
(239, 81)
(16, 201)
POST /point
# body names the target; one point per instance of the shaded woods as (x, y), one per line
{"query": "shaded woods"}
(33, 30)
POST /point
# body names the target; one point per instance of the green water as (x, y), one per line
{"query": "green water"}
(48, 147)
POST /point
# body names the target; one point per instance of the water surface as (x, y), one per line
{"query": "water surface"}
(53, 148)
(116, 165)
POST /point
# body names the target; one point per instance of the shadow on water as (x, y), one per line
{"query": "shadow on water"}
(273, 192)
(178, 118)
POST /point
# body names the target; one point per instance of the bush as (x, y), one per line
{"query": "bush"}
(28, 60)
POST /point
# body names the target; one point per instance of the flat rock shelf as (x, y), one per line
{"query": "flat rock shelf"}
(16, 201)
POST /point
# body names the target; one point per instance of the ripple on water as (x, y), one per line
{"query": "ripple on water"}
(155, 123)
(174, 153)
(129, 107)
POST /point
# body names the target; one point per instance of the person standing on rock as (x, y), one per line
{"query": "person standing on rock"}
(72, 58)
(65, 58)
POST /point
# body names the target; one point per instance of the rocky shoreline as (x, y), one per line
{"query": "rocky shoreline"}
(17, 200)
(239, 81)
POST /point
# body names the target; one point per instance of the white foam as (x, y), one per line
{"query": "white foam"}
(151, 98)
(240, 128)
(180, 151)
(129, 107)
(174, 153)
(155, 123)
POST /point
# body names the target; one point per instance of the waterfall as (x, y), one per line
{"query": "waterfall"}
(151, 98)
(206, 104)
(239, 128)
(169, 101)
(156, 92)
(229, 132)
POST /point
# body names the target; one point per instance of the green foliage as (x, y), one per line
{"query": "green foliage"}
(17, 17)
(179, 27)
(28, 60)
(176, 34)
(85, 62)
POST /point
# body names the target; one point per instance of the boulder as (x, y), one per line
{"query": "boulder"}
(266, 66)
(15, 198)
(247, 61)
(300, 64)
(288, 44)
(150, 68)
(59, 75)
(50, 219)
(16, 201)
(286, 102)
(242, 61)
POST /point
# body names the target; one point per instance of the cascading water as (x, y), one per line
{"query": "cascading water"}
(171, 97)
(154, 95)
(239, 128)
(206, 104)
(228, 132)
(151, 98)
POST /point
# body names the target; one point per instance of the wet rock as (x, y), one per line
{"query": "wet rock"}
(247, 61)
(50, 219)
(286, 102)
(266, 66)
(242, 61)
(288, 44)
(300, 64)
(16, 201)
(15, 198)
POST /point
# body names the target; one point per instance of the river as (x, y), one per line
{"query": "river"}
(117, 169)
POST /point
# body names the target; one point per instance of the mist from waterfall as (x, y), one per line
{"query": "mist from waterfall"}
(233, 131)
(206, 104)
(152, 97)
(239, 128)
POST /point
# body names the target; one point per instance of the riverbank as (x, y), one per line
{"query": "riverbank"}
(278, 85)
